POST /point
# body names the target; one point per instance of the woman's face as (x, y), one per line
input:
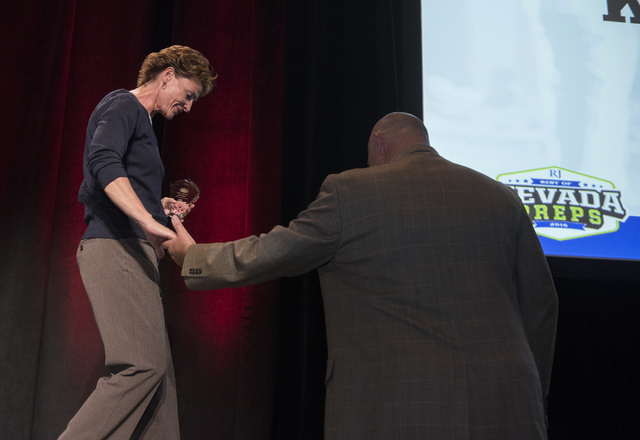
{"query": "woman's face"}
(178, 96)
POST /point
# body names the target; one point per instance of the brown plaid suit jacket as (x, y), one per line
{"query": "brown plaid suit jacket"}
(440, 309)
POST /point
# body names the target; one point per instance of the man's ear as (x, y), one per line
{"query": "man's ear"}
(380, 147)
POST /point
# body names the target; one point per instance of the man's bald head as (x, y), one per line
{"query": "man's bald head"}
(394, 133)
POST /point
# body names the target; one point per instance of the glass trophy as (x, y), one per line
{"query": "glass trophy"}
(184, 191)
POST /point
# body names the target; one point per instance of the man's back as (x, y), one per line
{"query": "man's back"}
(440, 309)
(423, 307)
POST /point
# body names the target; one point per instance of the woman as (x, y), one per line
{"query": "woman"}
(118, 254)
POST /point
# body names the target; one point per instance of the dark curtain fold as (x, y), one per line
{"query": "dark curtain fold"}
(345, 68)
(224, 342)
(594, 383)
(35, 71)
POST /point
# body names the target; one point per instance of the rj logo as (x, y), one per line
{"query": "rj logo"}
(555, 174)
(614, 7)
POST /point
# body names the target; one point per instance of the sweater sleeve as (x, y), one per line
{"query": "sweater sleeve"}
(110, 141)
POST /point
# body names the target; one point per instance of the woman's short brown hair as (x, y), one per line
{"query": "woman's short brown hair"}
(186, 62)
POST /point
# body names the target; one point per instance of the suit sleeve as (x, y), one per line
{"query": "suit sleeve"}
(310, 241)
(537, 300)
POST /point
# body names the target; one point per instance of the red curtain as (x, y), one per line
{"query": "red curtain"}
(58, 60)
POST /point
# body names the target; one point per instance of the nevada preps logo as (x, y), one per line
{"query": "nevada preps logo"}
(563, 204)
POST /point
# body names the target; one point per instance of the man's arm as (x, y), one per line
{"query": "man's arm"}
(310, 241)
(538, 301)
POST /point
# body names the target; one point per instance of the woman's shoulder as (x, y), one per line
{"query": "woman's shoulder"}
(119, 98)
(121, 103)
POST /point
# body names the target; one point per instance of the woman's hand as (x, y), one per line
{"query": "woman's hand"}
(175, 207)
(122, 195)
(156, 235)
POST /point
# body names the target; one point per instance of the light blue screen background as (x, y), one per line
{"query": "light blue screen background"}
(514, 85)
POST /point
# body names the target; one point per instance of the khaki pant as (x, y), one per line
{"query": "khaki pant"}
(138, 400)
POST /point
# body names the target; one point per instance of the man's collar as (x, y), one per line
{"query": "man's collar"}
(414, 149)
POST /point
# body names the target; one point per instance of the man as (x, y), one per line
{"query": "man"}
(440, 309)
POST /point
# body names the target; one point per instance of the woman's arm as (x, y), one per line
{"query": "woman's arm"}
(122, 195)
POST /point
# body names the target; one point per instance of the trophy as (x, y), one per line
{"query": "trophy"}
(183, 191)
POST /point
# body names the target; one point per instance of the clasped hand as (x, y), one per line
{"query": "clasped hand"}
(157, 234)
(177, 247)
(175, 207)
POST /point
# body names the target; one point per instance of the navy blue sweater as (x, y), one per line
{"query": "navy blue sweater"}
(120, 143)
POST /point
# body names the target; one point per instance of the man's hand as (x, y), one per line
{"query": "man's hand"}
(177, 247)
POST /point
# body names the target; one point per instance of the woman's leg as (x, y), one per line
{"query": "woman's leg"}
(121, 279)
